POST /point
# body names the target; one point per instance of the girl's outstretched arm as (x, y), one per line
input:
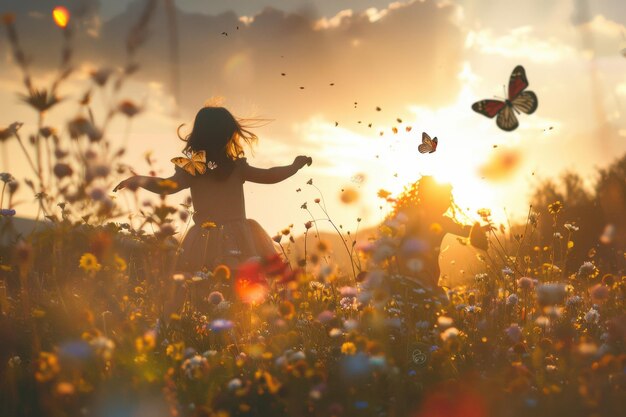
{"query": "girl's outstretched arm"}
(157, 185)
(276, 174)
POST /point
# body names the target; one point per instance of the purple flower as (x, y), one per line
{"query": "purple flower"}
(7, 212)
(220, 325)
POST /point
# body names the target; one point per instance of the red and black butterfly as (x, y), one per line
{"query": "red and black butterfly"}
(519, 100)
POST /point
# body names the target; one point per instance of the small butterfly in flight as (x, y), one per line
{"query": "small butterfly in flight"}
(211, 165)
(428, 145)
(518, 101)
(194, 164)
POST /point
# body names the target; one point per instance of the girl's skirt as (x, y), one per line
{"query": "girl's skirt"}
(228, 244)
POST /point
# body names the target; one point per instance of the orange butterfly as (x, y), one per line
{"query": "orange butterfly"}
(193, 165)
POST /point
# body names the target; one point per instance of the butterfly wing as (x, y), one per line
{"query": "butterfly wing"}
(186, 164)
(488, 108)
(435, 143)
(428, 145)
(526, 102)
(518, 82)
(199, 161)
(506, 119)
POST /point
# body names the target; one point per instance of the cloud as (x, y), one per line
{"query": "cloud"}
(408, 53)
(602, 36)
(520, 43)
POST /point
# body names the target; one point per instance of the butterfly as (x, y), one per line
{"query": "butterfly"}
(519, 100)
(428, 145)
(195, 164)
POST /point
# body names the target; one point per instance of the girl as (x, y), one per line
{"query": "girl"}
(424, 205)
(215, 172)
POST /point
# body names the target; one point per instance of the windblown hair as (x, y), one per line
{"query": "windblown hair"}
(422, 192)
(217, 132)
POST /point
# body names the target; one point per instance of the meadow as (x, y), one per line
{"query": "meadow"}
(96, 321)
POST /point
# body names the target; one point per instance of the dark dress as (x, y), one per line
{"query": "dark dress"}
(428, 232)
(221, 233)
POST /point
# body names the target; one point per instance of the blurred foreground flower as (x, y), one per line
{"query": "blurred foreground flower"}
(40, 100)
(89, 263)
(11, 130)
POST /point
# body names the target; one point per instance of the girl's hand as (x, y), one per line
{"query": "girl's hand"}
(302, 160)
(131, 183)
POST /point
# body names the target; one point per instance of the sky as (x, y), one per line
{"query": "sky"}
(423, 63)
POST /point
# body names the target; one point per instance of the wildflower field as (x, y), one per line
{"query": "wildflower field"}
(96, 321)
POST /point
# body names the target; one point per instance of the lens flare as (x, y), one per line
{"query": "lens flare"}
(61, 16)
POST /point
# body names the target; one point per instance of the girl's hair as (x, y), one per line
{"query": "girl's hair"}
(217, 132)
(424, 191)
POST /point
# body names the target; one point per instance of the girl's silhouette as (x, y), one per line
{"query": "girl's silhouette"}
(424, 205)
(215, 172)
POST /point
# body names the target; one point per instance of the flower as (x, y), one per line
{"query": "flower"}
(514, 332)
(220, 325)
(40, 100)
(215, 297)
(62, 170)
(599, 293)
(120, 263)
(308, 225)
(348, 348)
(234, 384)
(571, 227)
(128, 108)
(512, 299)
(7, 212)
(525, 283)
(101, 76)
(587, 270)
(555, 207)
(47, 366)
(10, 131)
(5, 177)
(195, 367)
(89, 263)
(549, 294)
(103, 347)
(208, 225)
(533, 218)
(449, 333)
(592, 316)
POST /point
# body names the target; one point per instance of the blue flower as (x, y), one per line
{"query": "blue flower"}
(7, 212)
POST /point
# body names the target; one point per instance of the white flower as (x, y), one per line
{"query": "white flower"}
(586, 269)
(571, 227)
(444, 321)
(103, 347)
(234, 384)
(450, 333)
(195, 367)
(592, 316)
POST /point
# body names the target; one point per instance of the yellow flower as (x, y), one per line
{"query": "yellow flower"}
(209, 225)
(88, 262)
(120, 263)
(47, 366)
(175, 351)
(555, 207)
(348, 348)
